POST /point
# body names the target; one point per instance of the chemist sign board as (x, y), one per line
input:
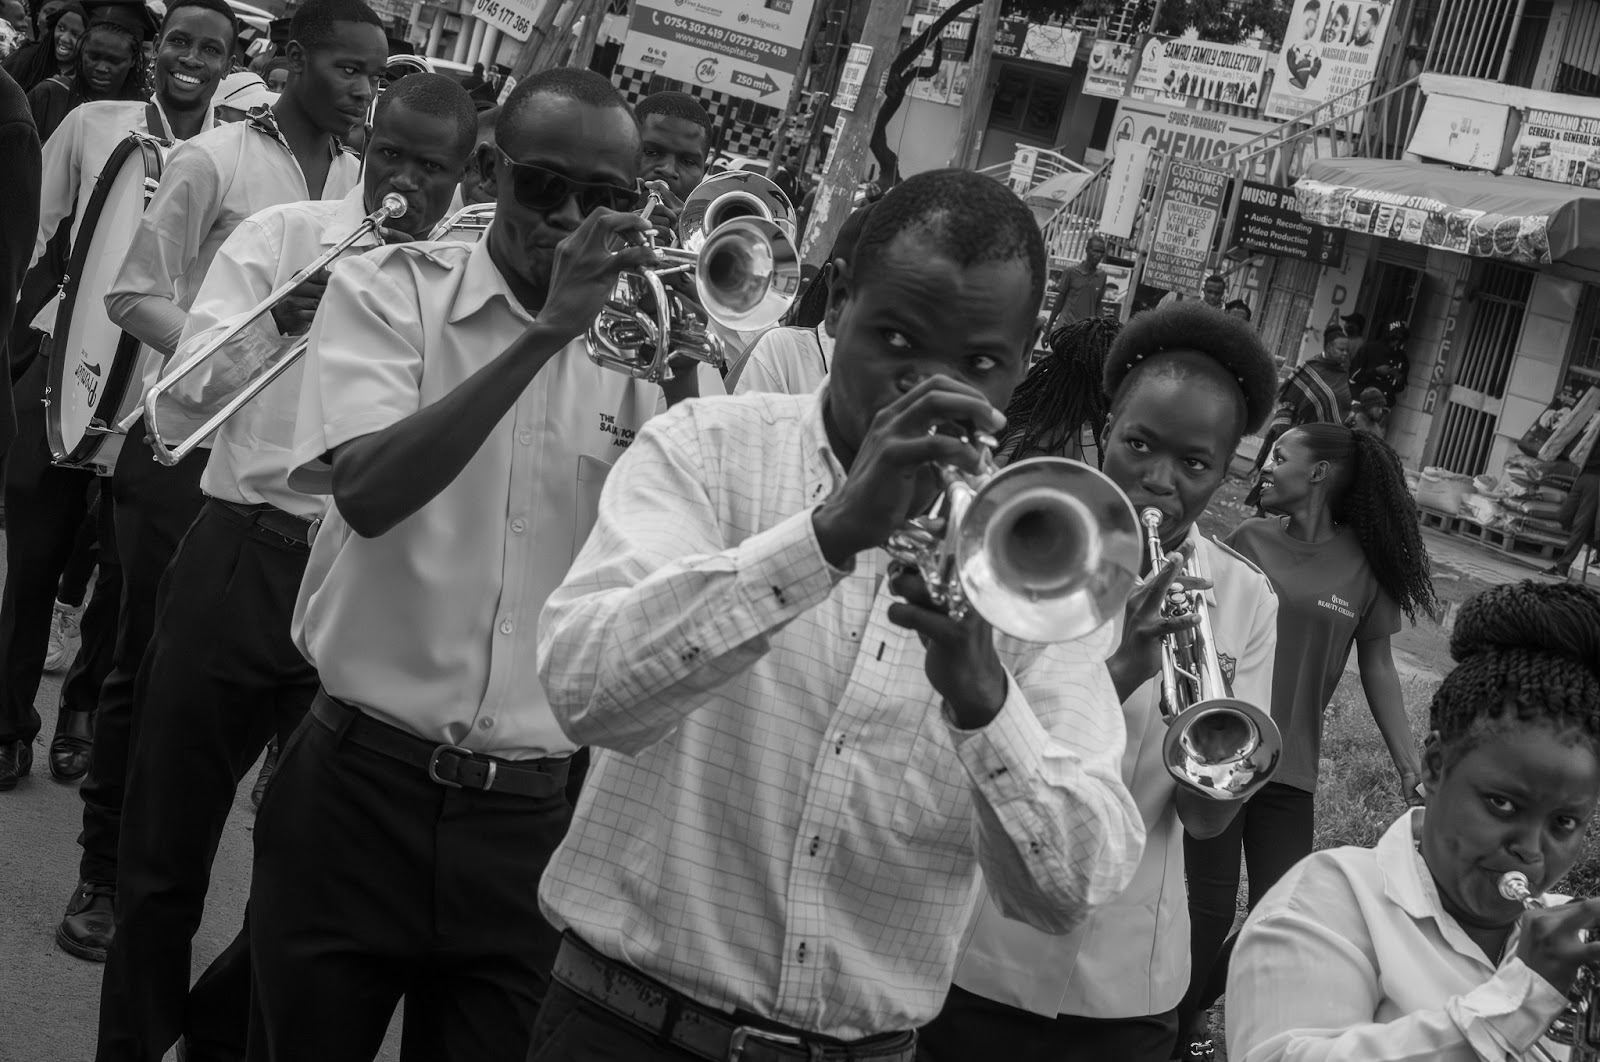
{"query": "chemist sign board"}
(746, 48)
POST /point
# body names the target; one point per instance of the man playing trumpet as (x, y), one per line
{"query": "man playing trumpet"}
(802, 777)
(1185, 384)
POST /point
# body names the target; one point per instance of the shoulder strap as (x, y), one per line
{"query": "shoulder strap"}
(816, 337)
(154, 122)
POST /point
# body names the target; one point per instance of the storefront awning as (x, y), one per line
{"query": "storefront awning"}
(1513, 218)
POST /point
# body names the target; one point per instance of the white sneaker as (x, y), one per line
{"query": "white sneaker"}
(64, 625)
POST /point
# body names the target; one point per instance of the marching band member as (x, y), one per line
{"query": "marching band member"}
(1347, 559)
(1186, 384)
(1408, 950)
(209, 186)
(802, 777)
(230, 590)
(450, 408)
(46, 504)
(19, 198)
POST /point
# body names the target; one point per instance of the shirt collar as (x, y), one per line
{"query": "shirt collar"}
(263, 120)
(207, 120)
(481, 283)
(351, 212)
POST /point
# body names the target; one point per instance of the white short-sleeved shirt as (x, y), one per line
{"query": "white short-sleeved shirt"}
(790, 361)
(1351, 957)
(433, 626)
(1130, 958)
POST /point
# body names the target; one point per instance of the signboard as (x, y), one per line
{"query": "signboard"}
(1462, 132)
(1428, 222)
(514, 18)
(1057, 45)
(1269, 221)
(1552, 146)
(1191, 204)
(945, 83)
(1330, 47)
(853, 76)
(1123, 190)
(956, 37)
(1022, 166)
(1195, 135)
(1109, 63)
(747, 48)
(1194, 69)
(1009, 40)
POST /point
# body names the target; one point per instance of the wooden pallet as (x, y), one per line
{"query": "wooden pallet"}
(1499, 539)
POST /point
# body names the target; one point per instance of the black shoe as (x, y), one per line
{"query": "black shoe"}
(268, 766)
(1555, 570)
(16, 760)
(70, 748)
(87, 927)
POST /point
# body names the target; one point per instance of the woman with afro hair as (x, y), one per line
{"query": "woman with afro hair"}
(1409, 950)
(1346, 558)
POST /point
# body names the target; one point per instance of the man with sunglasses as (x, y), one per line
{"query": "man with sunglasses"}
(450, 409)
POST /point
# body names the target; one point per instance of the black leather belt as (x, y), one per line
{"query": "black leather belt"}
(448, 765)
(706, 1033)
(296, 530)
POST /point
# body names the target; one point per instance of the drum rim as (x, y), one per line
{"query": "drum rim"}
(127, 346)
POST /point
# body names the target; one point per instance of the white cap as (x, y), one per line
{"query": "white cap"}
(244, 91)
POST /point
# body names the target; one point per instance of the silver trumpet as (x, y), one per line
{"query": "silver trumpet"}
(466, 225)
(170, 453)
(1046, 550)
(1216, 745)
(1578, 1027)
(737, 240)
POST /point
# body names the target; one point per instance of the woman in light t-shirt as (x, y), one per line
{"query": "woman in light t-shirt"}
(1408, 950)
(793, 358)
(1346, 558)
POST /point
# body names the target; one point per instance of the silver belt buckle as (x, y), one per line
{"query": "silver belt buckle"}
(745, 1033)
(440, 751)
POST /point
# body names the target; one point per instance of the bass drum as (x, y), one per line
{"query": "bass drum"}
(91, 360)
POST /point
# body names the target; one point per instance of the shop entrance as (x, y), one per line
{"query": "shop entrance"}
(1471, 410)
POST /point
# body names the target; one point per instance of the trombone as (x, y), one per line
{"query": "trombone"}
(394, 206)
(735, 236)
(1578, 1026)
(1216, 745)
(1045, 550)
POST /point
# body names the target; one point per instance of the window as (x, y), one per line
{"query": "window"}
(1029, 104)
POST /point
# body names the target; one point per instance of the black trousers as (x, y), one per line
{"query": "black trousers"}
(1274, 831)
(971, 1027)
(74, 586)
(45, 507)
(220, 678)
(373, 883)
(153, 506)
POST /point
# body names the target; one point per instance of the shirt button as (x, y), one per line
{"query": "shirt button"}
(486, 724)
(518, 526)
(506, 627)
(524, 437)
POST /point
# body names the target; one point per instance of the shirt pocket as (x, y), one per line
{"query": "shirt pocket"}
(592, 473)
(933, 802)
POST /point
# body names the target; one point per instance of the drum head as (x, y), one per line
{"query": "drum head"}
(91, 359)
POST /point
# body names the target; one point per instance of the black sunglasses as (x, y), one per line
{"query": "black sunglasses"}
(545, 190)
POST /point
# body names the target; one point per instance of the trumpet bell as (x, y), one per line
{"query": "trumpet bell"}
(748, 273)
(1224, 748)
(1048, 550)
(725, 197)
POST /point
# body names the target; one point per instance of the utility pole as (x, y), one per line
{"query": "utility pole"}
(583, 54)
(1141, 41)
(975, 104)
(549, 33)
(882, 34)
(780, 140)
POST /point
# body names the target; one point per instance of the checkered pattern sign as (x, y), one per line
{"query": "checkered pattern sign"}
(743, 126)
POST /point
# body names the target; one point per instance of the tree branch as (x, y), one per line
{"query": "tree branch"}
(901, 74)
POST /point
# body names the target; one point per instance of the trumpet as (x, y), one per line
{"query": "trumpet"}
(1046, 550)
(736, 237)
(1216, 745)
(1578, 1026)
(394, 206)
(466, 225)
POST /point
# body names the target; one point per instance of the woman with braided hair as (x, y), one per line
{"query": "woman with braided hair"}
(110, 66)
(1346, 558)
(1060, 409)
(1408, 950)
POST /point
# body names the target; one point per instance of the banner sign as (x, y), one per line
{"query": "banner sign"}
(1269, 221)
(514, 18)
(1051, 44)
(1193, 69)
(853, 76)
(1428, 222)
(1462, 132)
(1109, 62)
(1009, 40)
(747, 48)
(956, 37)
(1330, 47)
(1552, 146)
(1196, 135)
(1123, 190)
(1191, 205)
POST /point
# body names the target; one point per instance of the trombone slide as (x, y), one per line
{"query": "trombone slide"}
(393, 206)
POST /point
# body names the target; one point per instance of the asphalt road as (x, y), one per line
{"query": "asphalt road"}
(48, 999)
